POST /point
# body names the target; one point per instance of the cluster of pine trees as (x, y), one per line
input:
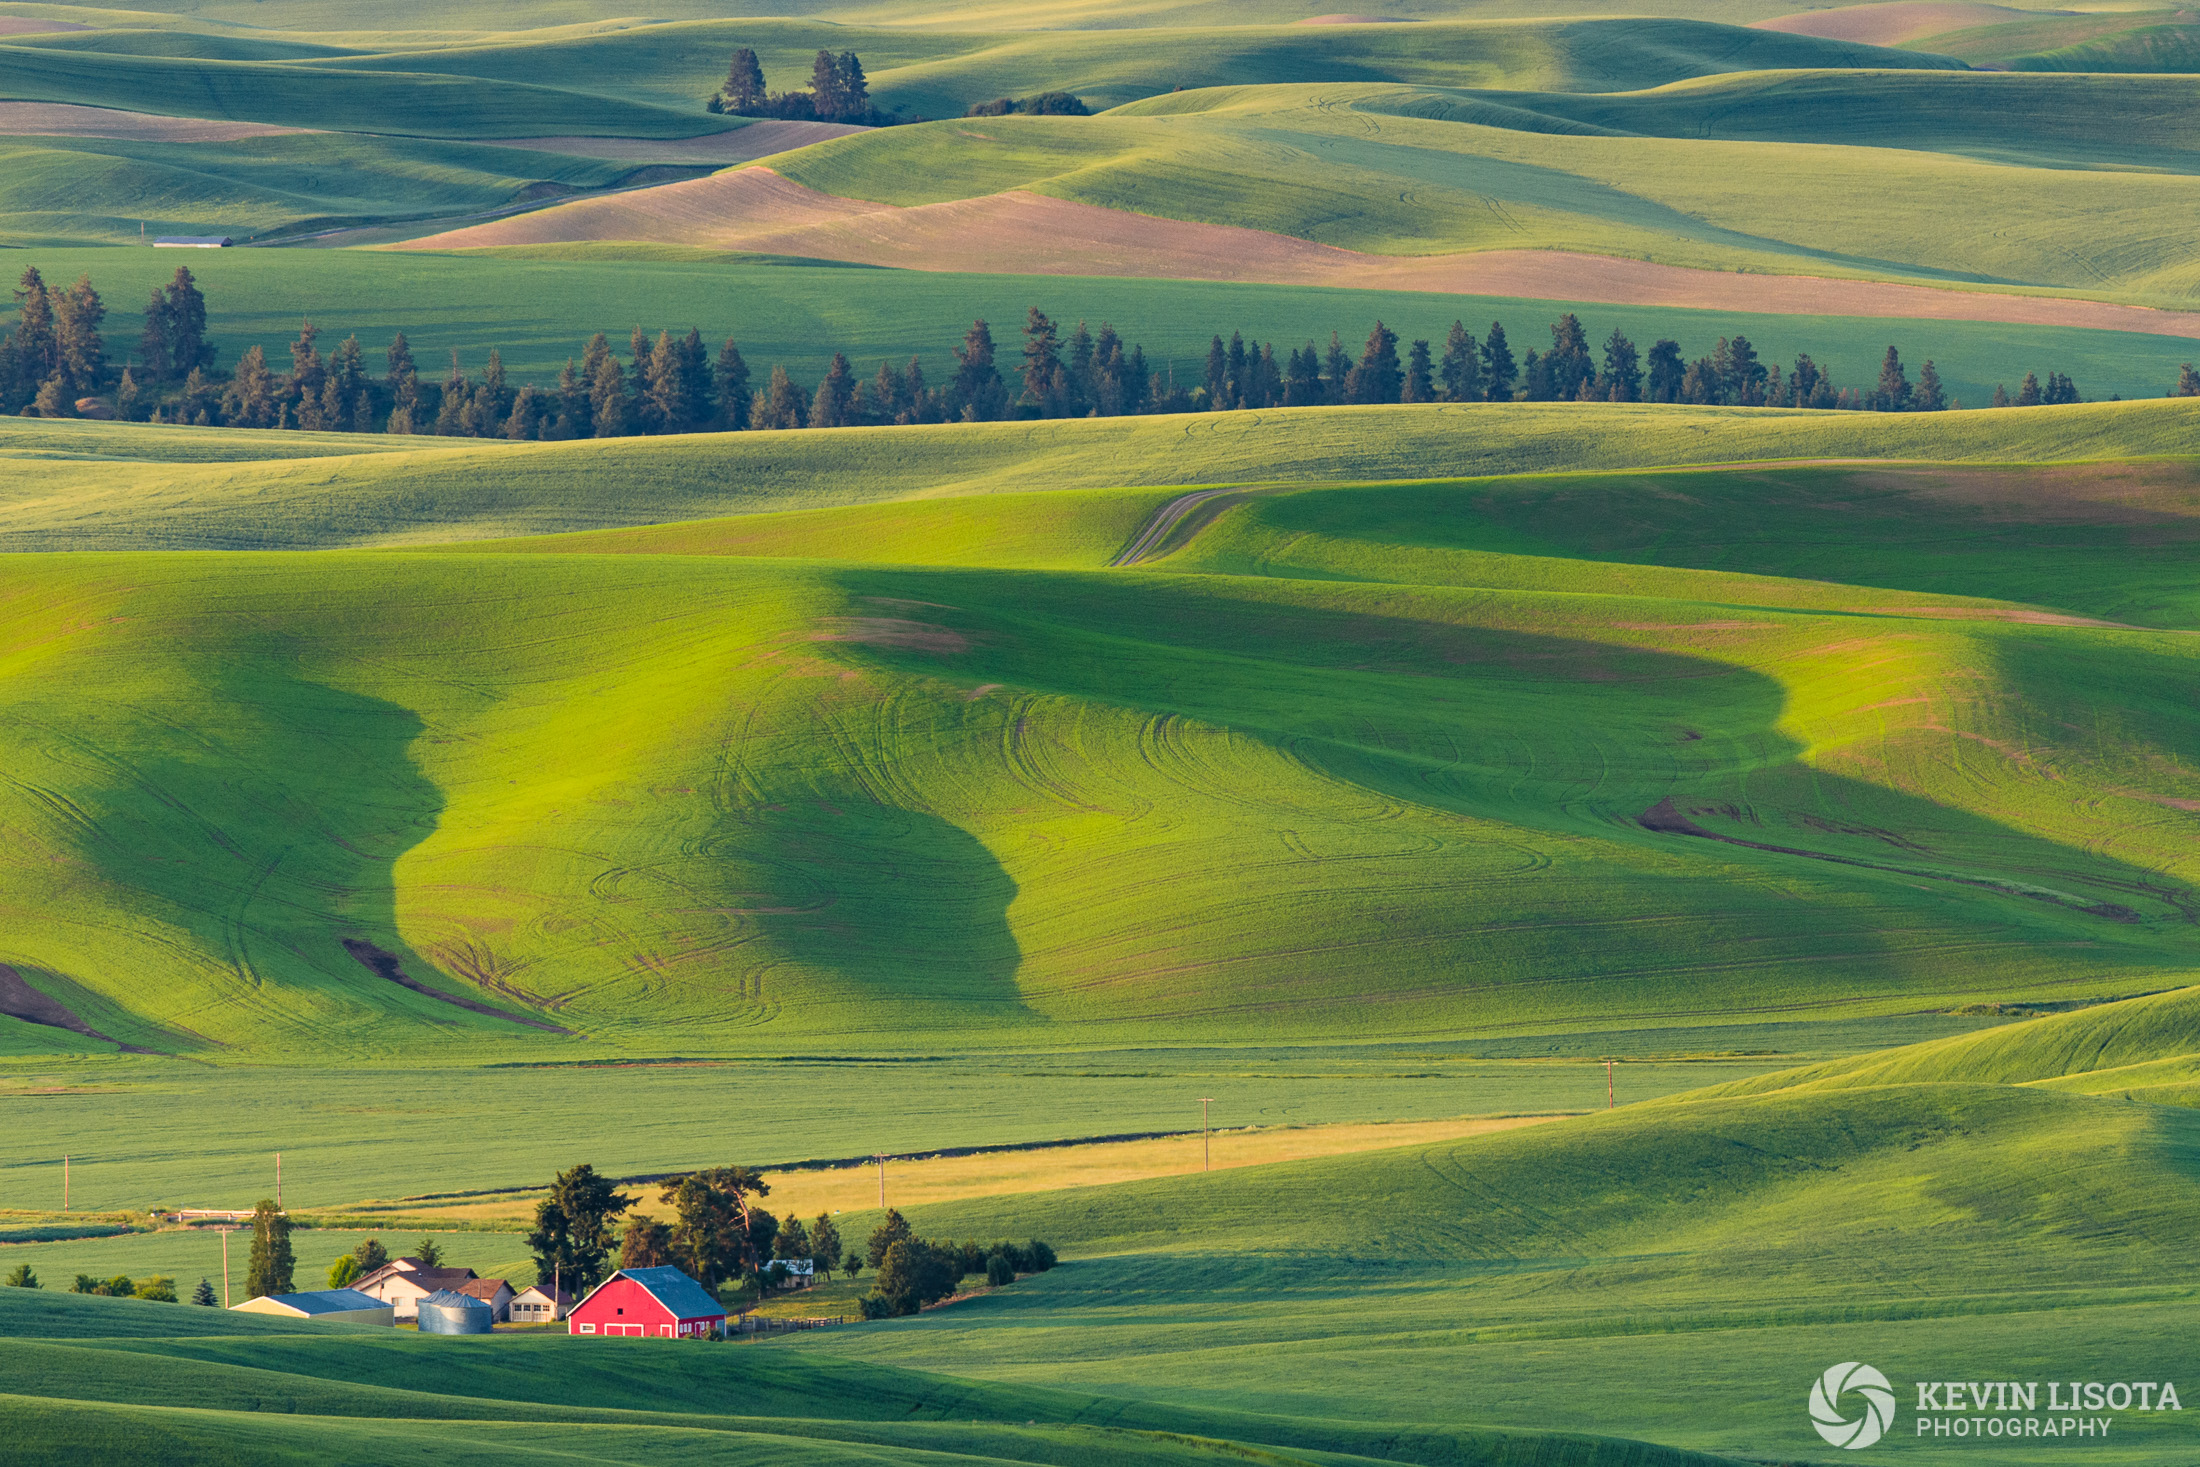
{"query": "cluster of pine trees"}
(839, 92)
(54, 364)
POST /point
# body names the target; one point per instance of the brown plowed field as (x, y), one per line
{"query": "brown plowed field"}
(24, 25)
(1030, 234)
(67, 120)
(757, 140)
(1895, 24)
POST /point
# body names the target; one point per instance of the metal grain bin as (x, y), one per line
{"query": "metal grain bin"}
(446, 1313)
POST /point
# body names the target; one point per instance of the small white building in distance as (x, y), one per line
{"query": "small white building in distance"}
(540, 1305)
(403, 1282)
(340, 1306)
(193, 242)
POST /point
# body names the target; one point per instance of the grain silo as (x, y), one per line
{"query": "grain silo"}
(446, 1313)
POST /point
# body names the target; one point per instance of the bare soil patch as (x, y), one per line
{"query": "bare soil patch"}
(892, 631)
(1021, 233)
(25, 25)
(1894, 24)
(67, 120)
(385, 964)
(1356, 20)
(18, 1000)
(759, 139)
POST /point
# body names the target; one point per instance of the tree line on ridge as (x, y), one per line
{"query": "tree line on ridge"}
(55, 364)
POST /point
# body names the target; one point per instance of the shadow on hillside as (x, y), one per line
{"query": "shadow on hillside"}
(1561, 747)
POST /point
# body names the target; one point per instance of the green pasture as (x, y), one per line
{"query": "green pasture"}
(1341, 164)
(1556, 754)
(1676, 1273)
(73, 189)
(539, 307)
(938, 73)
(1679, 1271)
(137, 1128)
(101, 486)
(407, 103)
(2112, 41)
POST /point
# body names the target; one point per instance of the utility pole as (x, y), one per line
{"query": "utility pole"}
(880, 1158)
(1608, 1101)
(1206, 1144)
(278, 1181)
(64, 1182)
(225, 1232)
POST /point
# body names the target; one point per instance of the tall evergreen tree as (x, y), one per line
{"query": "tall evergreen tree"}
(573, 413)
(1929, 396)
(781, 404)
(1077, 382)
(450, 410)
(743, 92)
(1419, 384)
(403, 385)
(2188, 382)
(1893, 392)
(1336, 372)
(186, 318)
(34, 328)
(80, 351)
(663, 384)
(572, 1237)
(1662, 380)
(250, 401)
(733, 387)
(1217, 380)
(1460, 371)
(826, 88)
(836, 396)
(609, 414)
(1302, 381)
(2001, 396)
(1376, 378)
(1043, 385)
(307, 376)
(273, 1263)
(977, 394)
(2028, 392)
(1499, 370)
(154, 358)
(347, 378)
(1568, 362)
(1622, 367)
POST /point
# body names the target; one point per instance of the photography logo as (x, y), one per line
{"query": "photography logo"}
(1874, 1406)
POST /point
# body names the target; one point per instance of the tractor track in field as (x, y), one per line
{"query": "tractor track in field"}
(1148, 542)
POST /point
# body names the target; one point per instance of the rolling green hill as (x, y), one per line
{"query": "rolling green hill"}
(59, 188)
(940, 73)
(1813, 763)
(412, 104)
(2119, 41)
(1682, 1270)
(1337, 164)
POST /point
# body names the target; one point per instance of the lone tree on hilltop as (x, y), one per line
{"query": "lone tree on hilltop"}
(272, 1262)
(744, 88)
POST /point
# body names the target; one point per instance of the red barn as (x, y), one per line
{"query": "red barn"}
(661, 1303)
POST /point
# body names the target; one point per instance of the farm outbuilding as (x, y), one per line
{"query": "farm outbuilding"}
(659, 1303)
(495, 1293)
(447, 1312)
(540, 1305)
(403, 1282)
(328, 1306)
(193, 242)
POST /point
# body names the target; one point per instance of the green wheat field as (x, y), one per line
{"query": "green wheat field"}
(1769, 820)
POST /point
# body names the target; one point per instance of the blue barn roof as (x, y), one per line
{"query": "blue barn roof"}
(672, 1288)
(329, 1301)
